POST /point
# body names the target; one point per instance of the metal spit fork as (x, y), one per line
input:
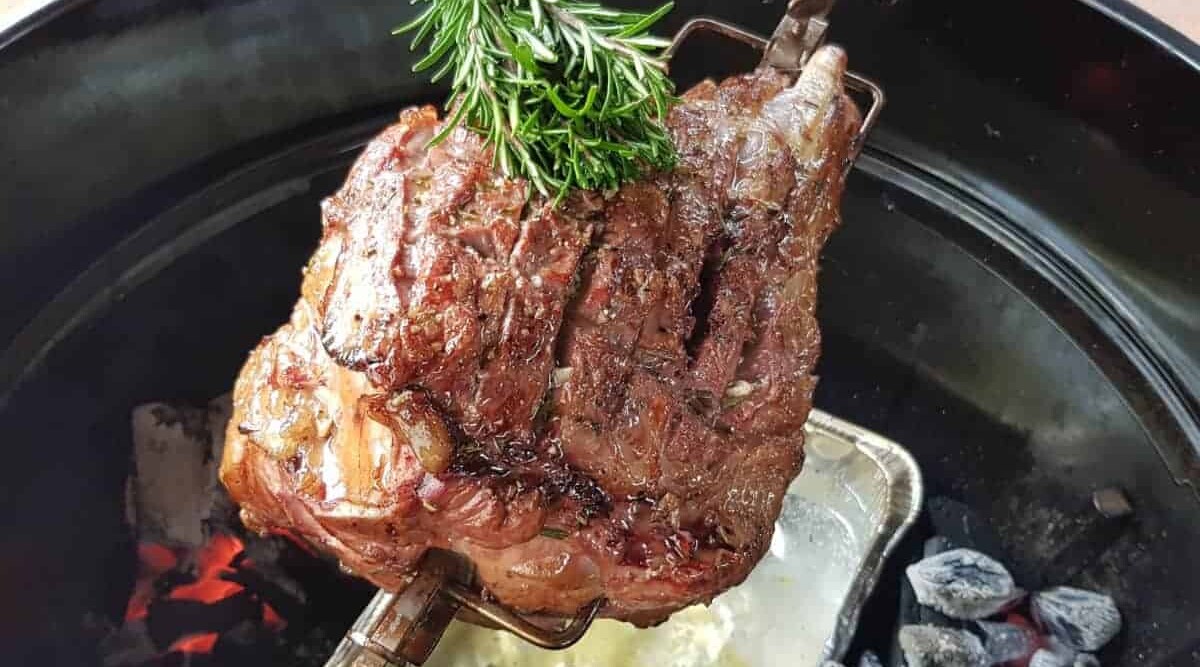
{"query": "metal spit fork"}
(397, 629)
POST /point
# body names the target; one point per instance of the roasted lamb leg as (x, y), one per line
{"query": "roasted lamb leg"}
(602, 399)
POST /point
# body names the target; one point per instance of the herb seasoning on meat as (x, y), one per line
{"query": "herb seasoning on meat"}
(598, 398)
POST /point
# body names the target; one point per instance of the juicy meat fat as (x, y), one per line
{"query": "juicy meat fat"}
(603, 399)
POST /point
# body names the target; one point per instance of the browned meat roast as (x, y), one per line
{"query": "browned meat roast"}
(599, 400)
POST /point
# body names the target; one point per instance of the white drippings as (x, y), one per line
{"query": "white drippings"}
(785, 614)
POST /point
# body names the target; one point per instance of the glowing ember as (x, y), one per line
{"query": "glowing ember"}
(197, 595)
(212, 560)
(153, 561)
(217, 559)
(203, 643)
(156, 558)
(207, 591)
(218, 555)
(271, 618)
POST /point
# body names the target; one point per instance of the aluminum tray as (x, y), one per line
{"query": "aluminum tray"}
(856, 497)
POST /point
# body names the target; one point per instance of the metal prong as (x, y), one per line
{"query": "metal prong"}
(357, 647)
(707, 24)
(553, 639)
(862, 84)
(855, 82)
(402, 628)
(798, 35)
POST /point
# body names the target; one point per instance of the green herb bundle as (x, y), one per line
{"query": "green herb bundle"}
(569, 94)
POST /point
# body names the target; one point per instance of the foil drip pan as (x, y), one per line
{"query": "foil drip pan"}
(856, 497)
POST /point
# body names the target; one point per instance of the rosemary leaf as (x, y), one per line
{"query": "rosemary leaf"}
(554, 533)
(569, 94)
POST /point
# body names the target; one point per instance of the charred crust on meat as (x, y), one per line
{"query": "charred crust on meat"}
(631, 369)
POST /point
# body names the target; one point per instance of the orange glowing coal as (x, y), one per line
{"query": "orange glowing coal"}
(153, 561)
(202, 643)
(214, 559)
(271, 618)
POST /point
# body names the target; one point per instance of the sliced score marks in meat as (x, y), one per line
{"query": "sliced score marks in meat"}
(599, 400)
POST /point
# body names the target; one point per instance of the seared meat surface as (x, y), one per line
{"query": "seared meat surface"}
(603, 399)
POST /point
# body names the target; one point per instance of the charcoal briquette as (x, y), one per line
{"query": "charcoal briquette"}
(1083, 620)
(1047, 658)
(929, 646)
(1005, 641)
(963, 584)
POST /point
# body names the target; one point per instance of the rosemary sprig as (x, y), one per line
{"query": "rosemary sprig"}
(569, 94)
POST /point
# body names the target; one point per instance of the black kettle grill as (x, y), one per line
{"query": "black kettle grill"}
(1015, 294)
